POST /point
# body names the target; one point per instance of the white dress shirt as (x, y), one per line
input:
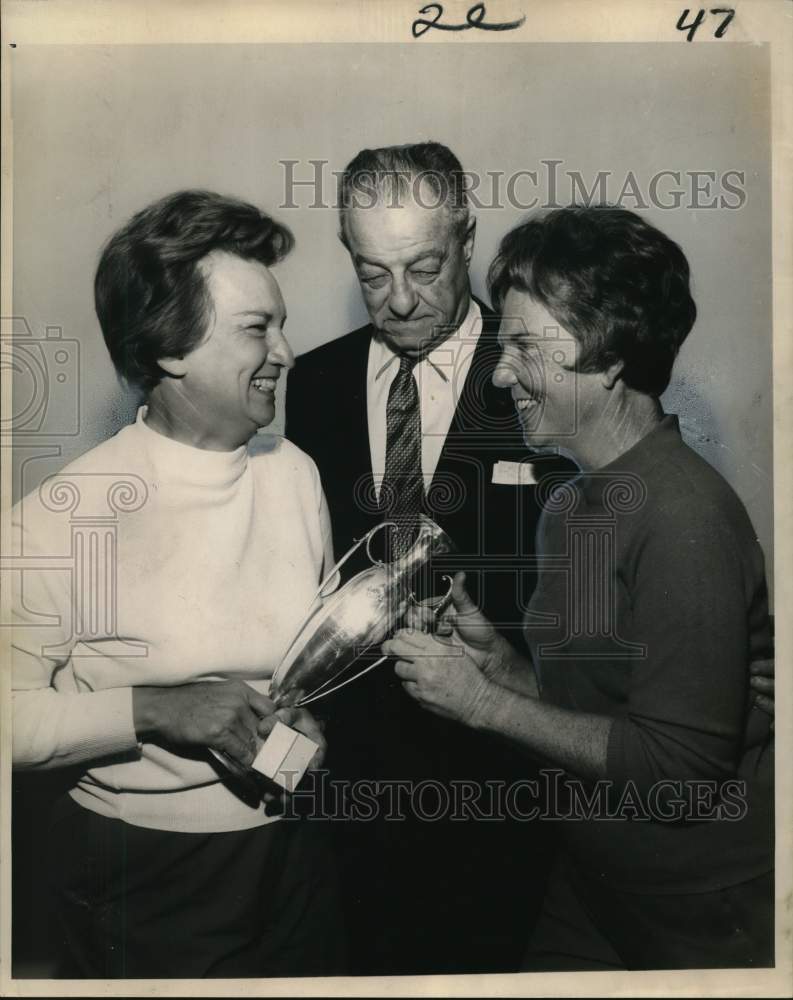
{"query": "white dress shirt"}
(440, 378)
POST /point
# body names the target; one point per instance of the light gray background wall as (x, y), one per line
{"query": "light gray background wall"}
(99, 132)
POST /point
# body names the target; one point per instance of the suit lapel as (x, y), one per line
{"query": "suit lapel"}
(358, 427)
(484, 420)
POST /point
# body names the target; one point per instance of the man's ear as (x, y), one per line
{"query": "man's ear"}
(468, 242)
(175, 367)
(611, 375)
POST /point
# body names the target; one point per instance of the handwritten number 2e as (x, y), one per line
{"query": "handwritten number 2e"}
(692, 27)
(475, 18)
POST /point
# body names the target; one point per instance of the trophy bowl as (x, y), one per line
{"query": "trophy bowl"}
(335, 634)
(355, 618)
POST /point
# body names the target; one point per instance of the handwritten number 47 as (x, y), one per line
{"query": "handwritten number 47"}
(692, 27)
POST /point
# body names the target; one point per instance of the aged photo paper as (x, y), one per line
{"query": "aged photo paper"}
(680, 114)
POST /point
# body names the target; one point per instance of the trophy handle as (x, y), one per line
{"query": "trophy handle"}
(319, 693)
(366, 540)
(443, 602)
(437, 611)
(369, 536)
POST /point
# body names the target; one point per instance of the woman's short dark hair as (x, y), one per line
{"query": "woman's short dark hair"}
(151, 297)
(611, 279)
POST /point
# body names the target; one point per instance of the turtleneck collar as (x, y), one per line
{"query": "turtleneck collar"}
(176, 461)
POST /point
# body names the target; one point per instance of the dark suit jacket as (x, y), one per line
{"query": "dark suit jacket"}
(492, 525)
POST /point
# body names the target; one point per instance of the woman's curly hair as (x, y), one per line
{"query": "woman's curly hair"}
(616, 283)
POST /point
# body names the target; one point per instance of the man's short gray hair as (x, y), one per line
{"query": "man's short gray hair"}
(426, 172)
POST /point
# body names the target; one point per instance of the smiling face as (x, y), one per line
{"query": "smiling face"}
(556, 405)
(226, 385)
(413, 270)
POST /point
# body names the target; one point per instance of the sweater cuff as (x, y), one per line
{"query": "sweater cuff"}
(106, 725)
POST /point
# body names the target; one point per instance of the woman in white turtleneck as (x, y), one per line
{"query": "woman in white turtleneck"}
(160, 867)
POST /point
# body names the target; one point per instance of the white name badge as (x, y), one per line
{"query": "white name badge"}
(513, 474)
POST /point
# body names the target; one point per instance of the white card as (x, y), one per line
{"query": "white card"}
(513, 474)
(285, 756)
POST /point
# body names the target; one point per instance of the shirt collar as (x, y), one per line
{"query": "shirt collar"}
(444, 356)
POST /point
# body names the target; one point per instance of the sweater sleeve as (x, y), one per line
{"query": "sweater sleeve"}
(325, 529)
(687, 699)
(53, 723)
(327, 538)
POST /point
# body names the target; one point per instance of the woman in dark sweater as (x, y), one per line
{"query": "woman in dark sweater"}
(651, 604)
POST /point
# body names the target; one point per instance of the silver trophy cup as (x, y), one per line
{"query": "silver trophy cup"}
(338, 629)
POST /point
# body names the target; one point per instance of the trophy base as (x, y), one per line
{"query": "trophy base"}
(285, 756)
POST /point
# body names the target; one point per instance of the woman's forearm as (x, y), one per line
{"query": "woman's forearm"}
(575, 741)
(514, 672)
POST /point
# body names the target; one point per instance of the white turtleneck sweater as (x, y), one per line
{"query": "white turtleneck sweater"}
(205, 573)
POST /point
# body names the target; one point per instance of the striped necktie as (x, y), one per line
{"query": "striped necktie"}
(402, 489)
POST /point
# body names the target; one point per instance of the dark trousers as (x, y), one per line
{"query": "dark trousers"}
(140, 903)
(442, 897)
(584, 926)
(430, 886)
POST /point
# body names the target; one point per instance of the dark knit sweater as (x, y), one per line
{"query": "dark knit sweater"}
(655, 588)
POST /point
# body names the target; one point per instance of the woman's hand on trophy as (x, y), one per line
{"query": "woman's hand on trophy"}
(304, 722)
(463, 620)
(442, 676)
(223, 715)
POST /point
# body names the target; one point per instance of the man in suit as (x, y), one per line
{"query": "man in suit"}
(402, 415)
